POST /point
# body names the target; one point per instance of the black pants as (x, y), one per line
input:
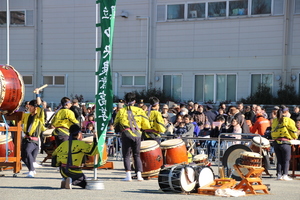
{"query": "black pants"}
(78, 178)
(29, 152)
(131, 144)
(283, 155)
(60, 139)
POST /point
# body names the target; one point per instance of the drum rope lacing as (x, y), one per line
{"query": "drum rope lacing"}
(6, 138)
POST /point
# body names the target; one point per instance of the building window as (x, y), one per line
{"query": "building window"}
(297, 6)
(172, 86)
(218, 87)
(54, 80)
(133, 80)
(196, 10)
(28, 80)
(261, 80)
(175, 11)
(217, 9)
(261, 7)
(238, 7)
(18, 18)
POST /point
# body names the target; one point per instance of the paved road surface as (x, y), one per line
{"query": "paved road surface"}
(47, 182)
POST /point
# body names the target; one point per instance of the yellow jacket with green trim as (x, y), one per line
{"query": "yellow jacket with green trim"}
(38, 124)
(79, 149)
(121, 121)
(287, 129)
(62, 121)
(157, 122)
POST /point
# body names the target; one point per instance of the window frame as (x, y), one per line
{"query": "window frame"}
(133, 81)
(26, 84)
(261, 74)
(172, 85)
(26, 23)
(227, 16)
(215, 75)
(53, 80)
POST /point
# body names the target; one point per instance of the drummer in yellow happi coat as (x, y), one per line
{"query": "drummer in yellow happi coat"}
(156, 121)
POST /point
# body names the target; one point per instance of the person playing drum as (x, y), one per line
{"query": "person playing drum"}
(283, 130)
(33, 124)
(69, 158)
(156, 121)
(62, 120)
(129, 122)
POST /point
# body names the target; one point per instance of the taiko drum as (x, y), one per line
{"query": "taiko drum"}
(12, 89)
(151, 157)
(10, 146)
(89, 161)
(174, 151)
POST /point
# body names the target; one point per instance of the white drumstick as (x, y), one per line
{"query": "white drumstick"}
(46, 85)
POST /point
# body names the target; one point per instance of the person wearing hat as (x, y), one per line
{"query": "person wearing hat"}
(62, 121)
(156, 121)
(69, 155)
(33, 125)
(141, 103)
(129, 122)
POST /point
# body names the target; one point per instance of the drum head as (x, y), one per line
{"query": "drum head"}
(261, 141)
(200, 157)
(148, 145)
(250, 154)
(171, 143)
(88, 140)
(3, 139)
(230, 157)
(205, 176)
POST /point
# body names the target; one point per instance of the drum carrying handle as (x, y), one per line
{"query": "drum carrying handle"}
(6, 140)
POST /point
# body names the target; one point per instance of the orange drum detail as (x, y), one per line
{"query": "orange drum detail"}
(174, 151)
(12, 89)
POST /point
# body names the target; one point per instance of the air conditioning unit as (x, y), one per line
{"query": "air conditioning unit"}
(193, 13)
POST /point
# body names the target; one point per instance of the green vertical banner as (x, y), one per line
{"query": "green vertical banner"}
(104, 95)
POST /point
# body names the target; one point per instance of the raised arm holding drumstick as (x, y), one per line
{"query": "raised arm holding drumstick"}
(33, 124)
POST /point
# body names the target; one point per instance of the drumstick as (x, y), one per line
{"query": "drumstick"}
(40, 88)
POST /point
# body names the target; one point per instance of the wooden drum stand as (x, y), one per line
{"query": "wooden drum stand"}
(15, 161)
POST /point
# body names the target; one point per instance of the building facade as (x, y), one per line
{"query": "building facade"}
(201, 50)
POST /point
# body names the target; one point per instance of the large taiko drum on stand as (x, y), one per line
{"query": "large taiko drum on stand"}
(89, 161)
(174, 151)
(10, 146)
(12, 89)
(259, 142)
(151, 157)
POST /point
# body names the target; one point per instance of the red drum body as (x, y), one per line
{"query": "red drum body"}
(10, 145)
(12, 89)
(174, 151)
(251, 159)
(151, 157)
(90, 160)
(259, 142)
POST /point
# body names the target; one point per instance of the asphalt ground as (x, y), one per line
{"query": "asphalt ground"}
(46, 185)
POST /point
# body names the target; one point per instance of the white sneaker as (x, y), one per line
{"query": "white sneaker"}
(30, 174)
(36, 165)
(286, 178)
(127, 179)
(68, 183)
(34, 172)
(139, 176)
(279, 178)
